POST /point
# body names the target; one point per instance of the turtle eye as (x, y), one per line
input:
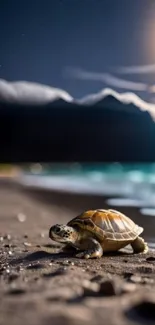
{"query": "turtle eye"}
(57, 229)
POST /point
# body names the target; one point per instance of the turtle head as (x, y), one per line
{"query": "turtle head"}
(63, 234)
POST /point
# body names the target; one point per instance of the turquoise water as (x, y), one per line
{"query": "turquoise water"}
(126, 187)
(115, 169)
(132, 181)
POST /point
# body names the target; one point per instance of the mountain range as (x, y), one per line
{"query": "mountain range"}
(41, 123)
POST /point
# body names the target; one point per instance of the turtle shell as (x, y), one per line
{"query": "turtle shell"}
(109, 224)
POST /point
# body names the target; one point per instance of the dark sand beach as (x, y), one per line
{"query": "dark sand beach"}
(40, 285)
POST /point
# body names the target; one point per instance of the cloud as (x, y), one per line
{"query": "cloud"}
(107, 78)
(30, 93)
(125, 98)
(137, 69)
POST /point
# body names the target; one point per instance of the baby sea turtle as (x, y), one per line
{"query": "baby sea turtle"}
(97, 231)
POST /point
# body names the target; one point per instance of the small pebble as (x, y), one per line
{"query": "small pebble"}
(136, 279)
(21, 217)
(7, 271)
(150, 259)
(109, 288)
(13, 276)
(10, 253)
(128, 288)
(90, 288)
(1, 239)
(27, 244)
(7, 245)
(65, 262)
(127, 275)
(125, 261)
(8, 237)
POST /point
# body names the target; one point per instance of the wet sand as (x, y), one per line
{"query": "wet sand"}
(41, 285)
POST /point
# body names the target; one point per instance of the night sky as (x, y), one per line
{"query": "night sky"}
(45, 40)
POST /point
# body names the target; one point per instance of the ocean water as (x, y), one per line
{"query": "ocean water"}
(129, 188)
(135, 183)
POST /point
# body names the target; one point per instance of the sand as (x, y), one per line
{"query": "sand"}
(41, 285)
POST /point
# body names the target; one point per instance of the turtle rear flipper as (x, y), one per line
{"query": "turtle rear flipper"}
(139, 246)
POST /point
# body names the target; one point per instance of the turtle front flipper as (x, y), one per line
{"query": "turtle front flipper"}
(139, 246)
(94, 250)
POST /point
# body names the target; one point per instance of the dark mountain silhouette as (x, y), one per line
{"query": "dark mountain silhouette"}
(60, 131)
